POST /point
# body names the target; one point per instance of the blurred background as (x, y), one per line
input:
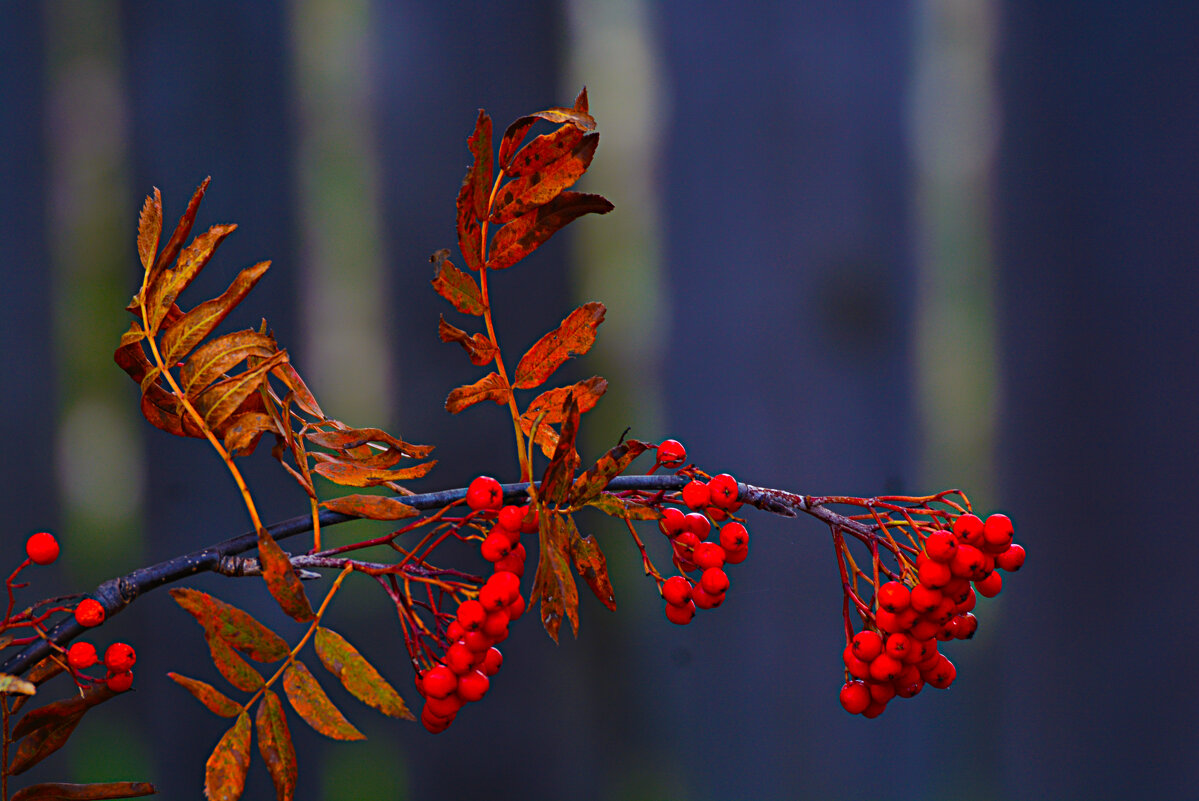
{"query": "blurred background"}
(857, 249)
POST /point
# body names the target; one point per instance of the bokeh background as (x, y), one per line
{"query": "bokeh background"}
(857, 248)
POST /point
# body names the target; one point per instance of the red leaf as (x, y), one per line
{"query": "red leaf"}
(184, 228)
(374, 507)
(281, 579)
(475, 193)
(236, 627)
(60, 791)
(554, 585)
(577, 116)
(149, 228)
(217, 403)
(236, 670)
(209, 696)
(553, 402)
(544, 150)
(244, 431)
(488, 388)
(459, 288)
(275, 745)
(524, 194)
(592, 567)
(311, 704)
(181, 336)
(478, 348)
(304, 398)
(357, 675)
(46, 729)
(528, 232)
(574, 336)
(225, 771)
(560, 472)
(610, 465)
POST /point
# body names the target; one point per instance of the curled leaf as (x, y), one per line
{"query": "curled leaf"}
(225, 771)
(488, 388)
(357, 675)
(577, 115)
(560, 472)
(478, 348)
(554, 585)
(310, 702)
(525, 194)
(373, 507)
(610, 465)
(529, 231)
(349, 474)
(574, 336)
(15, 685)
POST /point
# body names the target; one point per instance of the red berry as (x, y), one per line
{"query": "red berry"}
(496, 546)
(680, 614)
(881, 692)
(957, 590)
(506, 583)
(997, 533)
(866, 645)
(439, 681)
(696, 495)
(967, 562)
(735, 557)
(734, 537)
(677, 591)
(698, 524)
(965, 626)
(671, 453)
(888, 622)
(934, 574)
(708, 555)
(894, 596)
(968, 528)
(941, 546)
(714, 581)
(855, 697)
(445, 707)
(81, 655)
(434, 724)
(471, 615)
(942, 674)
(89, 612)
(909, 684)
(1011, 560)
(874, 710)
(705, 600)
(484, 493)
(528, 524)
(922, 598)
(923, 629)
(42, 548)
(120, 682)
(516, 608)
(492, 662)
(885, 667)
(967, 605)
(510, 517)
(672, 522)
(857, 668)
(459, 658)
(942, 612)
(990, 586)
(514, 562)
(473, 686)
(898, 645)
(119, 657)
(722, 491)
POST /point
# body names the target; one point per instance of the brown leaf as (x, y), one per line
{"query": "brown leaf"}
(554, 584)
(554, 402)
(275, 745)
(478, 348)
(244, 431)
(522, 195)
(225, 771)
(529, 231)
(182, 230)
(46, 729)
(217, 403)
(459, 288)
(618, 507)
(281, 579)
(304, 397)
(168, 285)
(374, 507)
(344, 439)
(311, 704)
(15, 685)
(488, 388)
(349, 474)
(217, 356)
(592, 567)
(216, 701)
(357, 675)
(574, 336)
(515, 134)
(60, 791)
(233, 625)
(149, 228)
(181, 336)
(610, 465)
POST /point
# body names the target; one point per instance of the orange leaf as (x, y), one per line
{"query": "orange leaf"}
(60, 791)
(344, 439)
(304, 397)
(311, 704)
(168, 284)
(374, 507)
(236, 670)
(488, 388)
(182, 230)
(515, 134)
(181, 336)
(244, 431)
(554, 584)
(281, 579)
(459, 288)
(217, 403)
(478, 348)
(528, 232)
(610, 465)
(544, 150)
(616, 506)
(573, 337)
(592, 567)
(149, 228)
(585, 393)
(225, 771)
(357, 675)
(349, 474)
(217, 356)
(524, 194)
(274, 743)
(561, 470)
(234, 626)
(216, 701)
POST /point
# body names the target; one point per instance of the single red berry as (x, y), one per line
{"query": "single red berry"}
(722, 491)
(496, 546)
(528, 523)
(511, 516)
(496, 626)
(459, 658)
(672, 522)
(89, 612)
(516, 608)
(677, 591)
(477, 641)
(923, 629)
(473, 686)
(42, 548)
(858, 668)
(484, 493)
(708, 555)
(514, 562)
(969, 529)
(942, 612)
(881, 692)
(967, 605)
(908, 686)
(119, 657)
(990, 586)
(967, 562)
(957, 590)
(705, 600)
(506, 583)
(471, 614)
(885, 667)
(81, 655)
(942, 674)
(888, 622)
(698, 524)
(941, 546)
(492, 662)
(934, 574)
(894, 596)
(439, 681)
(897, 645)
(696, 495)
(855, 697)
(1012, 559)
(446, 707)
(671, 453)
(735, 557)
(997, 533)
(874, 710)
(867, 645)
(734, 537)
(922, 598)
(454, 631)
(433, 723)
(967, 625)
(714, 581)
(680, 614)
(120, 682)
(716, 514)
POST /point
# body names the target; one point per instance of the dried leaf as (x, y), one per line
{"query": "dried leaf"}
(59, 791)
(218, 403)
(349, 474)
(488, 388)
(357, 675)
(46, 729)
(281, 579)
(168, 284)
(374, 507)
(574, 336)
(46, 669)
(592, 567)
(610, 465)
(554, 585)
(529, 231)
(522, 195)
(218, 356)
(275, 745)
(175, 243)
(544, 150)
(149, 228)
(15, 685)
(554, 401)
(185, 333)
(349, 438)
(225, 771)
(311, 704)
(235, 626)
(561, 470)
(618, 507)
(304, 397)
(216, 701)
(577, 116)
(244, 431)
(460, 289)
(474, 194)
(478, 348)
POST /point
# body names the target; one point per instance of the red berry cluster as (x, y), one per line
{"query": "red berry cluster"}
(119, 659)
(463, 674)
(694, 551)
(899, 654)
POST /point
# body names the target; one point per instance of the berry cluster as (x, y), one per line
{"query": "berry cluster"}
(898, 654)
(463, 674)
(714, 500)
(119, 659)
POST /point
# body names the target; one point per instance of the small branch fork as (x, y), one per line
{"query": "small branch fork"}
(223, 557)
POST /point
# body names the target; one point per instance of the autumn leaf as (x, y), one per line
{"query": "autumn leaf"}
(350, 438)
(349, 474)
(236, 670)
(610, 465)
(616, 506)
(313, 705)
(574, 336)
(275, 745)
(218, 356)
(554, 402)
(236, 627)
(373, 507)
(185, 333)
(44, 730)
(281, 579)
(475, 193)
(357, 675)
(459, 289)
(218, 403)
(299, 390)
(168, 284)
(553, 584)
(244, 431)
(592, 567)
(522, 195)
(183, 228)
(216, 701)
(225, 771)
(560, 472)
(478, 348)
(544, 150)
(15, 685)
(59, 791)
(529, 231)
(149, 228)
(515, 134)
(488, 388)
